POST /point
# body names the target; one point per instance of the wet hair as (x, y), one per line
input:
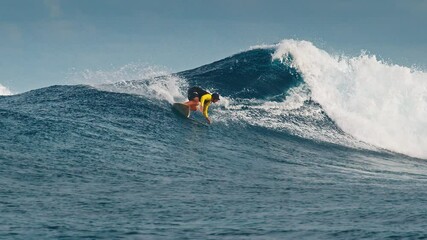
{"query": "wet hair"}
(215, 96)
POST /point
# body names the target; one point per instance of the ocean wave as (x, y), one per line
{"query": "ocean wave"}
(377, 102)
(250, 74)
(297, 88)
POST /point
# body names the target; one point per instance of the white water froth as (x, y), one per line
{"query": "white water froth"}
(294, 115)
(4, 91)
(147, 81)
(379, 103)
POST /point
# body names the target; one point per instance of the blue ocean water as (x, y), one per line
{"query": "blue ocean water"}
(113, 161)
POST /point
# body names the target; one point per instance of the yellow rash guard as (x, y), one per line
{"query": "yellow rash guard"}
(205, 101)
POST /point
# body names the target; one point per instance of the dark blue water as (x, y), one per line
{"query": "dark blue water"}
(80, 162)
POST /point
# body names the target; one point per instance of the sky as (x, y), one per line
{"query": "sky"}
(42, 42)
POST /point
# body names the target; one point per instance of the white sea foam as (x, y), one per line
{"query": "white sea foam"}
(4, 90)
(293, 115)
(380, 103)
(139, 79)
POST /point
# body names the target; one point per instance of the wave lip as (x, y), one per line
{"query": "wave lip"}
(4, 91)
(377, 102)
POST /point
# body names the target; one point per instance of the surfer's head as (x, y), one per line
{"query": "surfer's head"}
(215, 97)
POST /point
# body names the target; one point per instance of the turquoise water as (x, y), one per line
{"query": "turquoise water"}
(105, 162)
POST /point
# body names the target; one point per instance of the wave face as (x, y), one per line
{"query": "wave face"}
(300, 147)
(250, 74)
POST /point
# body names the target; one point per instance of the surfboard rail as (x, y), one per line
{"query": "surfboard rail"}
(182, 109)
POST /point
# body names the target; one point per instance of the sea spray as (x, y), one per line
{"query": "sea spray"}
(140, 79)
(4, 90)
(377, 102)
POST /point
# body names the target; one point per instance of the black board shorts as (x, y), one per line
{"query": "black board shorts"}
(195, 92)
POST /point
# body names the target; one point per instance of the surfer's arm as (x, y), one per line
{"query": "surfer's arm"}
(205, 101)
(202, 101)
(205, 110)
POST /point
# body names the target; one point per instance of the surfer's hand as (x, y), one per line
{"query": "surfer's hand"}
(208, 120)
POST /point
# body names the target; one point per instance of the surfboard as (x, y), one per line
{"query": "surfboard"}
(182, 109)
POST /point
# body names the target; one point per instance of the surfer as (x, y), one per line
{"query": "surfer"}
(203, 99)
